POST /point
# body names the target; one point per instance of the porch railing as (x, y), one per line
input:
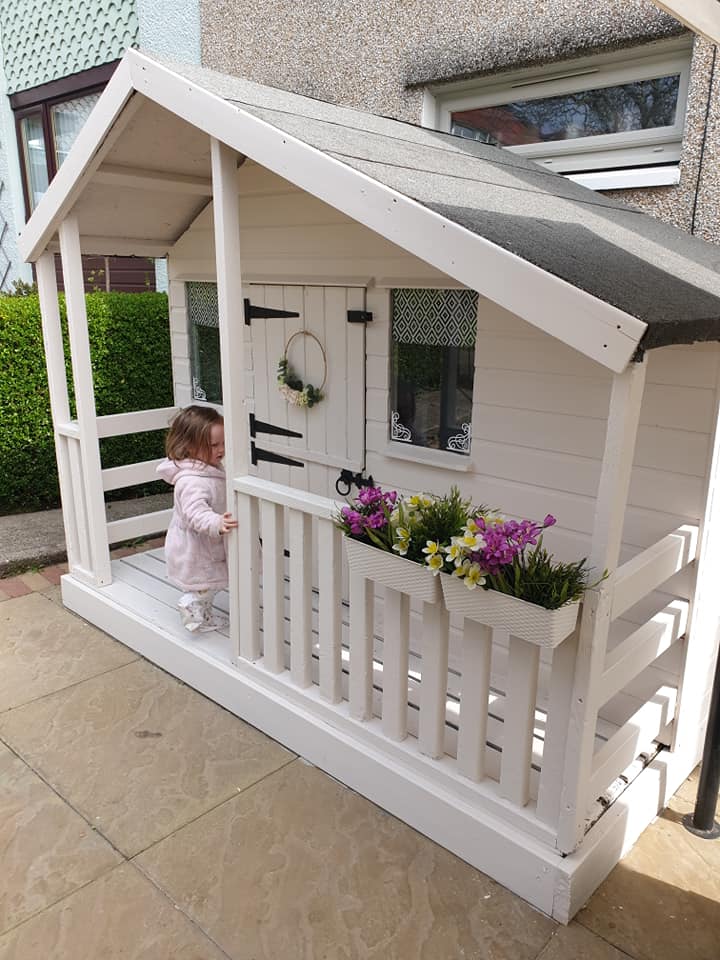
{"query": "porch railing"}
(382, 665)
(84, 542)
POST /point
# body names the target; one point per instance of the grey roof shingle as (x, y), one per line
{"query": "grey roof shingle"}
(648, 269)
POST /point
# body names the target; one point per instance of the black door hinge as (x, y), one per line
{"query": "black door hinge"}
(260, 426)
(359, 316)
(253, 312)
(258, 453)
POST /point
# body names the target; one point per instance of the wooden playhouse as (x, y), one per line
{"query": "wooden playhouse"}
(580, 378)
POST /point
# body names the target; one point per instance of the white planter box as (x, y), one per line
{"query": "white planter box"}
(392, 571)
(546, 628)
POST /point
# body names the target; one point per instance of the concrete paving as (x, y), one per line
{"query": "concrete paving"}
(30, 540)
(139, 820)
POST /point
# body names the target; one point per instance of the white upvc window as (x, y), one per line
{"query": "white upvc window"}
(606, 121)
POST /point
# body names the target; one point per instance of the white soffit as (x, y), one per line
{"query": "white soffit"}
(701, 16)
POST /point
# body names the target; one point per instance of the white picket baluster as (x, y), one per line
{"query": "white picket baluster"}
(520, 696)
(396, 648)
(330, 610)
(301, 598)
(556, 728)
(362, 603)
(273, 590)
(475, 690)
(433, 689)
(248, 584)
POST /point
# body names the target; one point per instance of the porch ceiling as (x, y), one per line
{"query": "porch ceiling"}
(587, 269)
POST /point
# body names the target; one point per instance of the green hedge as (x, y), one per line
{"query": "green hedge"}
(130, 351)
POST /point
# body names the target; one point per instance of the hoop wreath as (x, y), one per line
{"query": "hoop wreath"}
(291, 387)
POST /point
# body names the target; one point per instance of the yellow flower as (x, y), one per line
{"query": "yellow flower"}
(432, 547)
(454, 552)
(461, 568)
(435, 562)
(474, 577)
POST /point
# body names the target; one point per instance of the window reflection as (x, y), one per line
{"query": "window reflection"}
(34, 156)
(641, 105)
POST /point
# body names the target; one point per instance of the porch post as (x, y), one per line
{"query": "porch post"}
(90, 466)
(243, 543)
(59, 402)
(591, 638)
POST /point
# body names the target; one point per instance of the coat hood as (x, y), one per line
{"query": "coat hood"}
(172, 470)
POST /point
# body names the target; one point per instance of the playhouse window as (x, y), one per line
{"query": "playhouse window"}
(433, 349)
(605, 121)
(203, 322)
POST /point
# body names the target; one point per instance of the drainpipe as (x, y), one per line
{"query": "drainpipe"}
(702, 823)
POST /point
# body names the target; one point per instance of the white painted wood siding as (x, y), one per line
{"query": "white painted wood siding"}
(540, 408)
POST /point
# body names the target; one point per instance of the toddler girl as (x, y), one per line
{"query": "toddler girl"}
(194, 546)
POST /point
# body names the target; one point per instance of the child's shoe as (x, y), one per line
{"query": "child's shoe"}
(192, 613)
(216, 621)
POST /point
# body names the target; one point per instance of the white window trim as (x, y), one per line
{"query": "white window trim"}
(637, 158)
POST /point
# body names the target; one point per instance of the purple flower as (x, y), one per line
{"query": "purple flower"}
(549, 520)
(377, 520)
(367, 496)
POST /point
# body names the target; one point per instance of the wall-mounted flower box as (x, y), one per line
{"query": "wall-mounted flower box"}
(528, 621)
(393, 571)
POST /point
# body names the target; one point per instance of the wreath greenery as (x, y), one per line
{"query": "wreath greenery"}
(291, 387)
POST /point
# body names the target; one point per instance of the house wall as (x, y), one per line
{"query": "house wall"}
(377, 56)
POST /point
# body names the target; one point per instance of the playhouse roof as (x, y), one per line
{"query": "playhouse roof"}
(610, 278)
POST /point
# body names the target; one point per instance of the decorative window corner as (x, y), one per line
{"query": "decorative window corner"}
(610, 121)
(398, 431)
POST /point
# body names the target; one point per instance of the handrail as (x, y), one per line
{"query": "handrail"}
(129, 475)
(119, 424)
(651, 568)
(290, 497)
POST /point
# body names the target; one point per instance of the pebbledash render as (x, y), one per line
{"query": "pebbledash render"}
(584, 383)
(387, 59)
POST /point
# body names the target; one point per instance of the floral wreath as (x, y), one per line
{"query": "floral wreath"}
(291, 387)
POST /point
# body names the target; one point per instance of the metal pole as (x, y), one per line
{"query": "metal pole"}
(703, 823)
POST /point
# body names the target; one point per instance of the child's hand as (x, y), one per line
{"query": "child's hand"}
(227, 523)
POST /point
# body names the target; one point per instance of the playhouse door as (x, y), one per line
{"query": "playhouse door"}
(330, 347)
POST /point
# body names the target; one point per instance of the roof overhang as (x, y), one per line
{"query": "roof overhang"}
(701, 16)
(579, 319)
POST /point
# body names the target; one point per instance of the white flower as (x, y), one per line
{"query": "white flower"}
(474, 576)
(435, 562)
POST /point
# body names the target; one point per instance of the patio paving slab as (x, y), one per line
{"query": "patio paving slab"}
(662, 901)
(138, 753)
(44, 649)
(299, 866)
(120, 916)
(576, 943)
(46, 849)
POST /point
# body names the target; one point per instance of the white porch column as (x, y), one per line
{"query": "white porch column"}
(90, 466)
(59, 402)
(226, 213)
(591, 639)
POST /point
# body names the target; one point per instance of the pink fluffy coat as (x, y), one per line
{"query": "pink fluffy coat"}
(194, 548)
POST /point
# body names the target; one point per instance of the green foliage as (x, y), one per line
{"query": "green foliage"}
(130, 352)
(441, 519)
(536, 577)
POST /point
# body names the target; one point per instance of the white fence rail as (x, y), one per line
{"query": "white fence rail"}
(384, 662)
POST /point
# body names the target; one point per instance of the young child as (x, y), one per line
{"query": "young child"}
(194, 546)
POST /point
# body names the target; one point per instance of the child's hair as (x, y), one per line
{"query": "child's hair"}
(189, 434)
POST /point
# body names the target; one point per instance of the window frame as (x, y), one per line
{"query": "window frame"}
(40, 101)
(405, 449)
(584, 158)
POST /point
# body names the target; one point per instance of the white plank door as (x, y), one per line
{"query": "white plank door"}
(333, 431)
